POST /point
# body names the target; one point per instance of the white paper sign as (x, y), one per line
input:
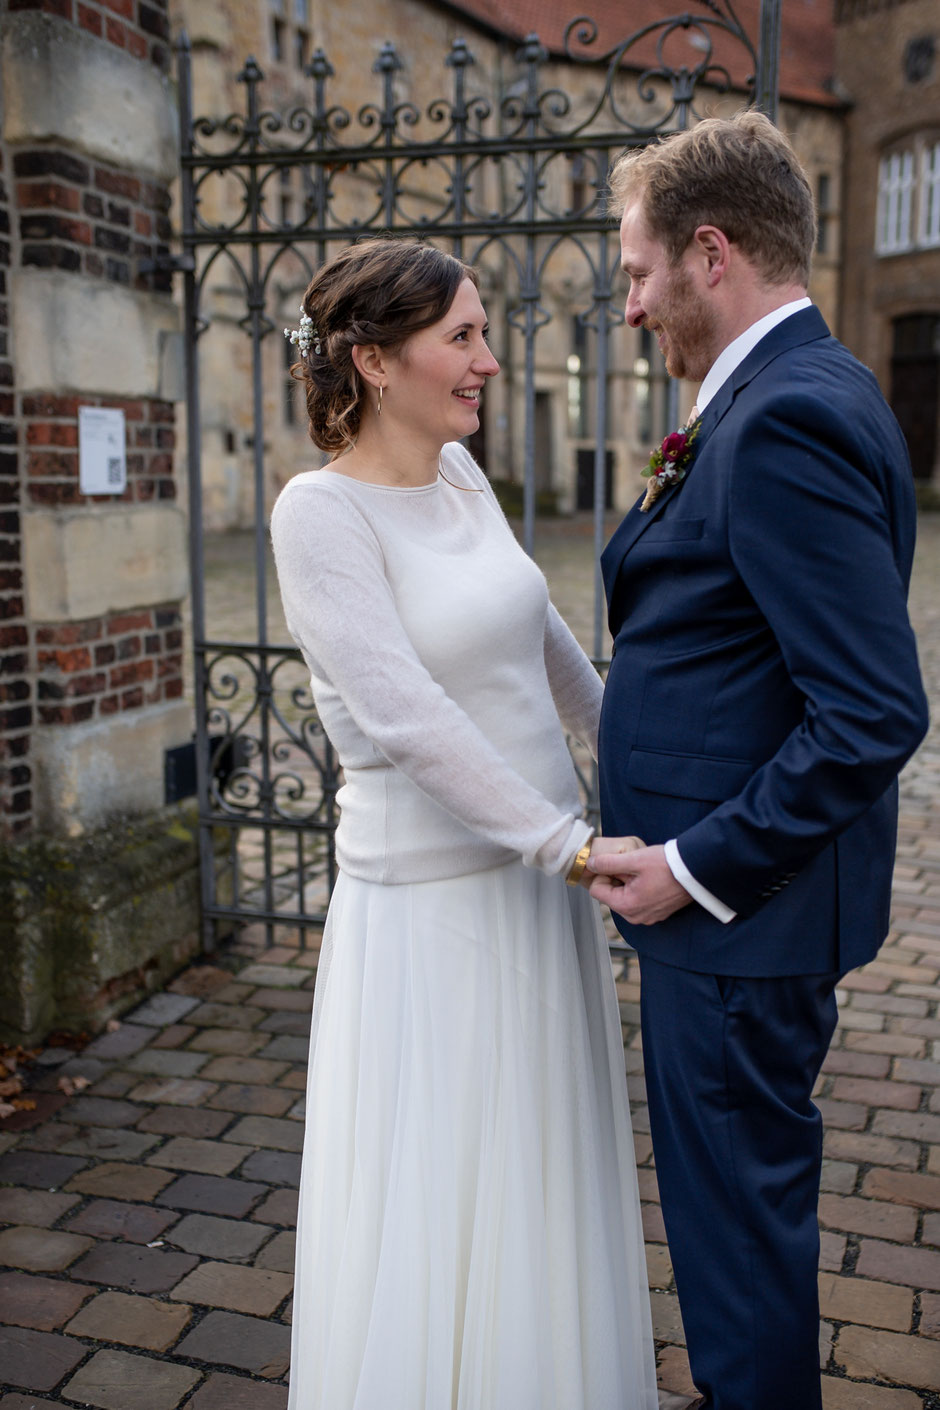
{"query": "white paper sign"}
(102, 454)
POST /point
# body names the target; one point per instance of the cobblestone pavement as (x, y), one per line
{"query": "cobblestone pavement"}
(147, 1210)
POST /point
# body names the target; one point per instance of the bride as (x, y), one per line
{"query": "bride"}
(469, 1234)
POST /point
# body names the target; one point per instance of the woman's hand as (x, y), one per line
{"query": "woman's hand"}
(606, 847)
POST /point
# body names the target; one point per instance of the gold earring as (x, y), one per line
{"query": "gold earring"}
(381, 390)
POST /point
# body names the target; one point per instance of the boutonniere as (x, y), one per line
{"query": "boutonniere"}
(669, 463)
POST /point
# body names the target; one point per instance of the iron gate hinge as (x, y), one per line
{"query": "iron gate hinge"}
(167, 264)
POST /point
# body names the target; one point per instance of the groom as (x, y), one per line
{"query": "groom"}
(763, 695)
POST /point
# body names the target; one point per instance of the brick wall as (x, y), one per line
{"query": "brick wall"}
(89, 218)
(50, 437)
(96, 668)
(140, 27)
(64, 210)
(15, 684)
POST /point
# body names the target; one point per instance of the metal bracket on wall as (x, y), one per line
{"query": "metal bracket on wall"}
(167, 264)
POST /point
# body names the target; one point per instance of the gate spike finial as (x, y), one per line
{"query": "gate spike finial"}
(319, 66)
(460, 56)
(388, 60)
(532, 51)
(251, 73)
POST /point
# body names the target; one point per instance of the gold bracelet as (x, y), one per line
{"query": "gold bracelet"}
(578, 865)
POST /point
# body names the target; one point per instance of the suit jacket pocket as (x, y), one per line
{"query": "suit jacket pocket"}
(688, 775)
(672, 530)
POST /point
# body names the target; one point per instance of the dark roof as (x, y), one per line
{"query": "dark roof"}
(806, 50)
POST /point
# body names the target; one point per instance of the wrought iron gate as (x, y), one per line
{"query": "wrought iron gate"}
(509, 172)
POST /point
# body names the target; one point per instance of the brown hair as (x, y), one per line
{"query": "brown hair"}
(740, 174)
(378, 291)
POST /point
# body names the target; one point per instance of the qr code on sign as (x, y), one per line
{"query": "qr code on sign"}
(115, 469)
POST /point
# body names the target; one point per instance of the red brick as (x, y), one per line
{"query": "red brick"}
(877, 1150)
(871, 1304)
(912, 1267)
(901, 1096)
(131, 672)
(52, 433)
(78, 659)
(68, 633)
(129, 622)
(32, 195)
(908, 1360)
(918, 1027)
(903, 1187)
(118, 183)
(911, 1125)
(136, 44)
(51, 464)
(929, 1315)
(842, 1116)
(911, 1070)
(831, 1251)
(854, 1064)
(115, 33)
(868, 1216)
(861, 981)
(89, 19)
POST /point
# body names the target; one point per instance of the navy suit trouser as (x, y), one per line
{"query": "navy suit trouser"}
(730, 1066)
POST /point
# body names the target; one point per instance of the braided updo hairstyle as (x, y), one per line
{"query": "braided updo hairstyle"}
(379, 291)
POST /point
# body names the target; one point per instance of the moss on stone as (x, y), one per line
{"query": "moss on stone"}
(91, 925)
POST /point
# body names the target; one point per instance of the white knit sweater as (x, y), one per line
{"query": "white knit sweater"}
(439, 670)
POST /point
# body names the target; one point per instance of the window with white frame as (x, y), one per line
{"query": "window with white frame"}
(929, 231)
(909, 198)
(895, 203)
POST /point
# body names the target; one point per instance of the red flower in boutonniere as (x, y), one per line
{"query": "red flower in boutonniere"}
(669, 463)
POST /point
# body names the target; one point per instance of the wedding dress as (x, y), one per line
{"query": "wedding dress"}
(468, 1233)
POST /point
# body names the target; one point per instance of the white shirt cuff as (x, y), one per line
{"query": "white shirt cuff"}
(695, 889)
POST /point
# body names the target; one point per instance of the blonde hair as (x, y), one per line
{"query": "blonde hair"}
(739, 174)
(379, 291)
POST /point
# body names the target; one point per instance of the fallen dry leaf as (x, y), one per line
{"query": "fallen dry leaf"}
(71, 1085)
(112, 1025)
(6, 1109)
(10, 1086)
(24, 1103)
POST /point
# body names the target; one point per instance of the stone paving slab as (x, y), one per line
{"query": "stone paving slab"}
(133, 1321)
(147, 1222)
(116, 1380)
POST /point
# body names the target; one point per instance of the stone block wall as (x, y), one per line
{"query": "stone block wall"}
(15, 687)
(91, 587)
(140, 29)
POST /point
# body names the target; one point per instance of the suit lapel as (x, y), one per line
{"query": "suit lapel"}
(804, 327)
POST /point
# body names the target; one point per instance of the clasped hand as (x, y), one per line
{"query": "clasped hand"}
(634, 880)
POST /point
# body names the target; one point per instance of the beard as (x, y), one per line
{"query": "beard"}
(686, 327)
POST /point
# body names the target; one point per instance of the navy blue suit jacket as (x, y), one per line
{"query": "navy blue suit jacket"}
(764, 690)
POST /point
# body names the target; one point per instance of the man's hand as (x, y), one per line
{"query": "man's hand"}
(606, 845)
(637, 884)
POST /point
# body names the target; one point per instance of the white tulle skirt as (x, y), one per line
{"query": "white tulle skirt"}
(469, 1234)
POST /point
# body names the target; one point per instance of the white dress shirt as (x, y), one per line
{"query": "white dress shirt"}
(719, 372)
